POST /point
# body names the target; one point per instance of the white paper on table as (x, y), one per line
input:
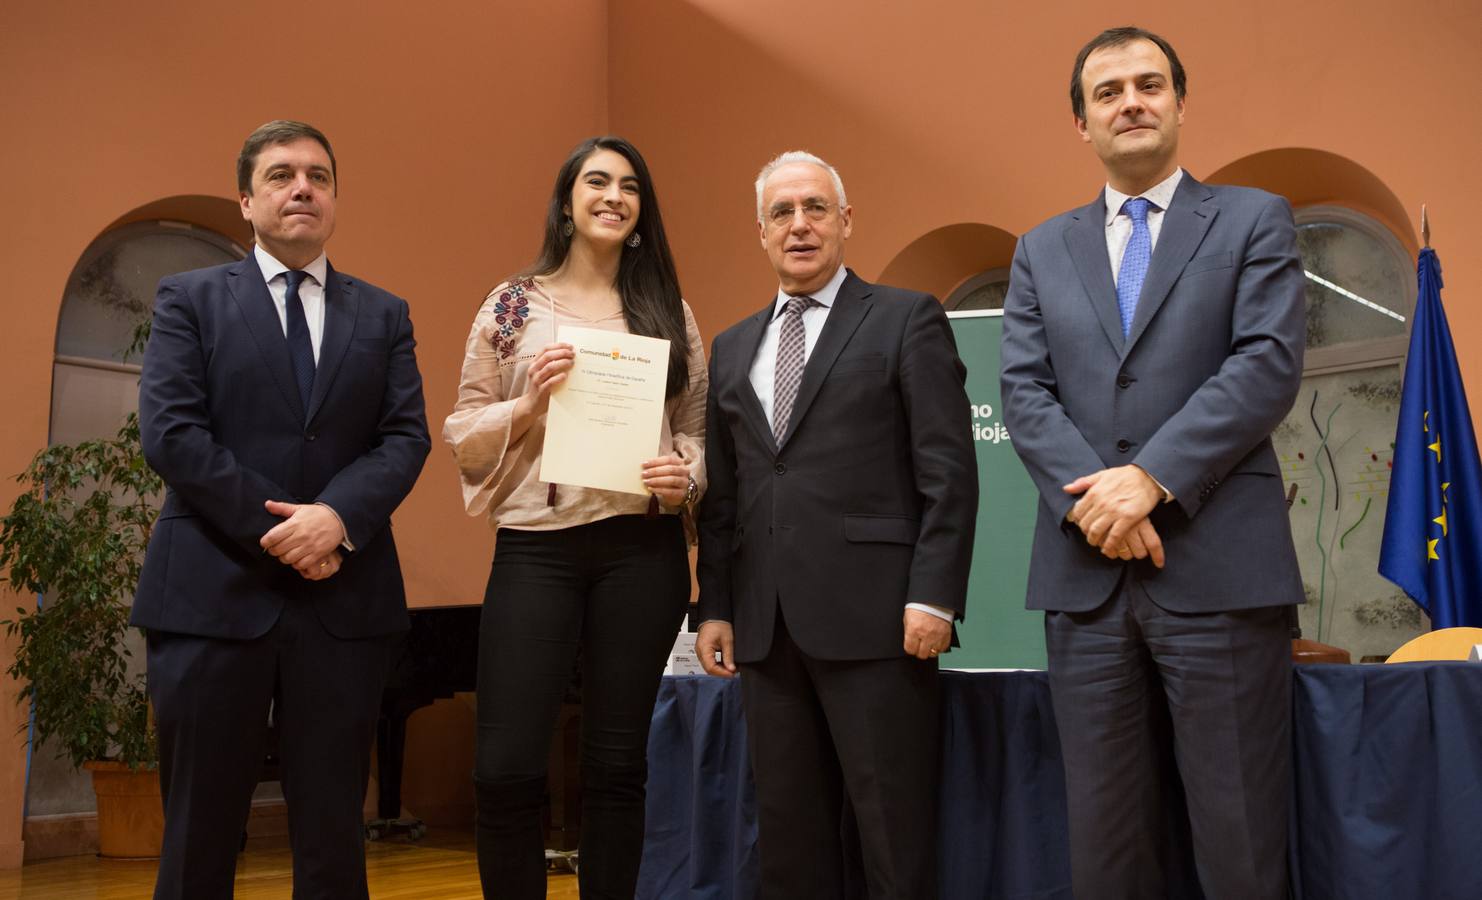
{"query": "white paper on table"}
(682, 658)
(604, 420)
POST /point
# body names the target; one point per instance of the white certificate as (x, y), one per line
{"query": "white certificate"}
(604, 419)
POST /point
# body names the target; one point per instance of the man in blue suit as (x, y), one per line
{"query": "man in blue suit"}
(1152, 340)
(281, 403)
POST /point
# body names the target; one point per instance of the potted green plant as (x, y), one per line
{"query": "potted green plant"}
(76, 536)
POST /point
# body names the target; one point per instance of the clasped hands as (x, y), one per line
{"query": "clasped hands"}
(1113, 510)
(308, 538)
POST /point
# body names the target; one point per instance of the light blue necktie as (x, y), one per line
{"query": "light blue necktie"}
(1135, 260)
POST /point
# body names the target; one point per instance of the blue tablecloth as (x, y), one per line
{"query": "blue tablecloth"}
(1388, 794)
(1387, 799)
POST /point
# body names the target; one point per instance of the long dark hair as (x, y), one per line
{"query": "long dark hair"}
(647, 282)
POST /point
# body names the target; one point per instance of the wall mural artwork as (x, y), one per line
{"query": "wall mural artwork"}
(1336, 447)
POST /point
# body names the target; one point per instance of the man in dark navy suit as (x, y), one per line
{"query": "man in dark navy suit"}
(281, 403)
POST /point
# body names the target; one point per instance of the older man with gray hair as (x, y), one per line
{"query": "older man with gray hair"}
(835, 541)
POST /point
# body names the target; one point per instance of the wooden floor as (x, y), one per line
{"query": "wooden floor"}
(439, 867)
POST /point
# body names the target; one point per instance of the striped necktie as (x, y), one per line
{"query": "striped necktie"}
(790, 346)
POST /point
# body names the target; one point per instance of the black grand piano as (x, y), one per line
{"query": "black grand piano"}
(435, 659)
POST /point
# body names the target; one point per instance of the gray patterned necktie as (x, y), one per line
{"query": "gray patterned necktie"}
(790, 345)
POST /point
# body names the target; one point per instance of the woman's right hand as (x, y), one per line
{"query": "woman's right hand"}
(549, 368)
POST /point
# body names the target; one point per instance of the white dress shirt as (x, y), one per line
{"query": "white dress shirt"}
(1119, 224)
(311, 292)
(764, 367)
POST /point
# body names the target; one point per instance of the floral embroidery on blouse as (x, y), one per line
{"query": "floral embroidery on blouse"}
(510, 312)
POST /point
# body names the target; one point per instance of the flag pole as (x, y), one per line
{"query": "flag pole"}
(1425, 227)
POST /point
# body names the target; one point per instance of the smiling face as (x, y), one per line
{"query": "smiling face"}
(805, 252)
(1132, 114)
(291, 206)
(604, 200)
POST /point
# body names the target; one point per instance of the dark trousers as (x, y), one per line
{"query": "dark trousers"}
(827, 737)
(614, 590)
(211, 699)
(1120, 676)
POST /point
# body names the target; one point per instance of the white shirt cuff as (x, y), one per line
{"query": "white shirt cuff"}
(941, 612)
(1167, 494)
(345, 541)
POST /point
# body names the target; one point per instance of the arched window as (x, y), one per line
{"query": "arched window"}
(1360, 289)
(110, 293)
(1336, 445)
(985, 290)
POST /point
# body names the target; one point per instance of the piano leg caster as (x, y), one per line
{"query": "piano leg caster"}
(559, 860)
(390, 829)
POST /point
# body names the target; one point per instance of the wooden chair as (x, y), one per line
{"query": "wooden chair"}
(1445, 643)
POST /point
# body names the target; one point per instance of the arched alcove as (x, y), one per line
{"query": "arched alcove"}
(94, 386)
(1358, 255)
(942, 259)
(1309, 177)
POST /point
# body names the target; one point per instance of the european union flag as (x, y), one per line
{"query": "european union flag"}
(1433, 530)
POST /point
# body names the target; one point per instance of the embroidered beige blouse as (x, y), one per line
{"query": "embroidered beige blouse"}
(501, 478)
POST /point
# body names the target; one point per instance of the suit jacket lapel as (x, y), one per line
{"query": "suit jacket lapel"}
(244, 280)
(1085, 241)
(850, 307)
(1184, 224)
(750, 338)
(341, 302)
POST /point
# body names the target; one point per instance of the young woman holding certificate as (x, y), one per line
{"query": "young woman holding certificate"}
(577, 571)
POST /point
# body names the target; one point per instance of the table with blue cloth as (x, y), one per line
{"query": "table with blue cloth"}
(1386, 800)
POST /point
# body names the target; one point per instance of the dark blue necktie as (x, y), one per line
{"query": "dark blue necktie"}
(1135, 260)
(300, 347)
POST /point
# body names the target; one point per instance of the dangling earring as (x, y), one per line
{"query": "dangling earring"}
(634, 239)
(568, 228)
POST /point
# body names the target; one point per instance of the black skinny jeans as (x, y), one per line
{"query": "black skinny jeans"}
(617, 589)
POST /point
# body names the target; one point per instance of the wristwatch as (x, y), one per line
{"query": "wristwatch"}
(691, 493)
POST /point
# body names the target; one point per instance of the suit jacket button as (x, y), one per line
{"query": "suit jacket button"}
(1123, 381)
(1124, 445)
(779, 468)
(310, 436)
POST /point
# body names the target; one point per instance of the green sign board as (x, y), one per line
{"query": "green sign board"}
(998, 632)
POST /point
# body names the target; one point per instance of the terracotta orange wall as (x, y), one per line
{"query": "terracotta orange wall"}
(947, 112)
(448, 129)
(449, 126)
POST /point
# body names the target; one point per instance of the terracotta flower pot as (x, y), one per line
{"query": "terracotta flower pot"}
(131, 815)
